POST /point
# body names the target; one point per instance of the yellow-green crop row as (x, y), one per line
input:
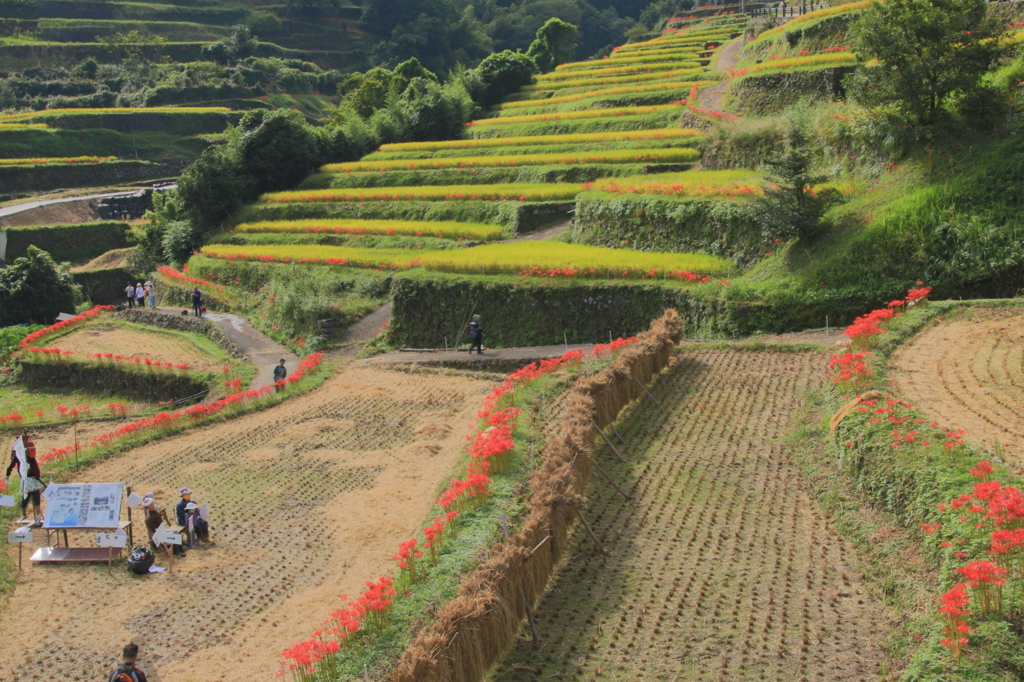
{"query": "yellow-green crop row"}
(635, 57)
(615, 71)
(606, 92)
(814, 61)
(574, 115)
(504, 192)
(447, 229)
(56, 160)
(657, 76)
(809, 18)
(23, 126)
(691, 183)
(676, 155)
(529, 141)
(524, 258)
(627, 59)
(659, 44)
(84, 112)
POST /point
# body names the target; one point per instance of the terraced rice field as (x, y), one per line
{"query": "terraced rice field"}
(720, 567)
(969, 371)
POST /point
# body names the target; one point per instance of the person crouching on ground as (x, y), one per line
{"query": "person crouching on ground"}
(154, 517)
(31, 477)
(195, 525)
(476, 335)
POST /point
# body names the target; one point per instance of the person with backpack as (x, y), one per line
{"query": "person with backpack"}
(127, 672)
(476, 335)
(197, 302)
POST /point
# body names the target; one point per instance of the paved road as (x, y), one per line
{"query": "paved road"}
(29, 205)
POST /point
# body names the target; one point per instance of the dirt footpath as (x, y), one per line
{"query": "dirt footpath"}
(969, 373)
(309, 500)
(719, 567)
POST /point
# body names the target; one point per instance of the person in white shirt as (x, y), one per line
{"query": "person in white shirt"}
(150, 294)
(129, 292)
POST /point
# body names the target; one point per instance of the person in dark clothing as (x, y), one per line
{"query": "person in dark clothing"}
(154, 517)
(476, 335)
(190, 519)
(197, 302)
(127, 672)
(31, 477)
(280, 374)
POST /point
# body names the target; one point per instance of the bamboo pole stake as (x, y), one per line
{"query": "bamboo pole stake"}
(609, 442)
(612, 424)
(607, 477)
(649, 394)
(590, 530)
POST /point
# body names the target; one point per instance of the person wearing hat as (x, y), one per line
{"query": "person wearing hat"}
(189, 518)
(140, 296)
(150, 293)
(154, 517)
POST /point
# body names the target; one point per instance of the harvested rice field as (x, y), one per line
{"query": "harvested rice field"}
(968, 370)
(140, 341)
(308, 501)
(720, 566)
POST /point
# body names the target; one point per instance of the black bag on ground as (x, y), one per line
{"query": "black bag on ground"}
(140, 559)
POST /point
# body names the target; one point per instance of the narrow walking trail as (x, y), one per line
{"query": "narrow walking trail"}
(720, 566)
(711, 97)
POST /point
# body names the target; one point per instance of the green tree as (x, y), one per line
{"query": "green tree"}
(35, 289)
(433, 112)
(263, 23)
(927, 50)
(790, 206)
(504, 73)
(234, 48)
(210, 189)
(132, 46)
(554, 44)
(277, 149)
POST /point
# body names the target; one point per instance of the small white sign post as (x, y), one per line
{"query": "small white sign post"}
(118, 540)
(6, 500)
(20, 536)
(166, 537)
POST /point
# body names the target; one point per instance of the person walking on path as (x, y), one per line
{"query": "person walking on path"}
(476, 335)
(150, 293)
(140, 296)
(280, 374)
(197, 302)
(23, 457)
(129, 292)
(127, 672)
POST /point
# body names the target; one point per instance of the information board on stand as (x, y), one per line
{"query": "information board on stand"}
(84, 505)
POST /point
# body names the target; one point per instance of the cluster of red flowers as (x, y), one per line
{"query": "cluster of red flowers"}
(712, 112)
(148, 363)
(851, 369)
(490, 448)
(63, 325)
(865, 327)
(175, 274)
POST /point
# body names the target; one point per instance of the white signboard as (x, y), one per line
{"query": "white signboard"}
(166, 536)
(133, 500)
(117, 540)
(84, 505)
(204, 510)
(49, 492)
(19, 537)
(6, 500)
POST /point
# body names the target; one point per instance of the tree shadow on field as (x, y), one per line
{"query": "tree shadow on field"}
(590, 596)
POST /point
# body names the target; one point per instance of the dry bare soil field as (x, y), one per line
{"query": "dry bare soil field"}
(720, 567)
(145, 343)
(309, 500)
(969, 371)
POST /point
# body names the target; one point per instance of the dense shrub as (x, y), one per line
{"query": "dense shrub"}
(35, 289)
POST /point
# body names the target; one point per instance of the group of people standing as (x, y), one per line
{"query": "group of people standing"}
(137, 295)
